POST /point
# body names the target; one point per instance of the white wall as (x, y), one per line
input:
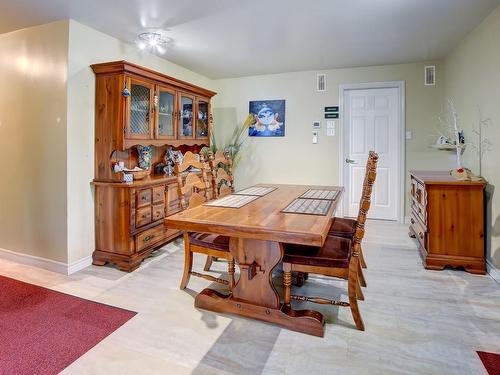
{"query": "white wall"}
(88, 46)
(473, 82)
(33, 66)
(294, 159)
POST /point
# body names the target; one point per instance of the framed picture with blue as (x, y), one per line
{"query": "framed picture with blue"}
(269, 118)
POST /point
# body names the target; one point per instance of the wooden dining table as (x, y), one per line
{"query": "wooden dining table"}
(258, 231)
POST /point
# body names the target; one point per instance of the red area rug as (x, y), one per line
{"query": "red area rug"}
(491, 362)
(43, 331)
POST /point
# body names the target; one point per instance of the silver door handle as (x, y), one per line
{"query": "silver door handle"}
(350, 161)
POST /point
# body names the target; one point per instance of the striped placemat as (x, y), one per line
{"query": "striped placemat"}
(256, 190)
(320, 194)
(232, 201)
(308, 206)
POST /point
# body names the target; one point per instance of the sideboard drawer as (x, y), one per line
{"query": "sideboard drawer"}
(419, 200)
(419, 231)
(143, 197)
(143, 216)
(153, 236)
(173, 201)
(158, 211)
(149, 237)
(158, 194)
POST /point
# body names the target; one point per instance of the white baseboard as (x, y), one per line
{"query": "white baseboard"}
(47, 264)
(79, 265)
(493, 271)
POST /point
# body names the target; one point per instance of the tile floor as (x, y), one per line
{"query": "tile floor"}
(417, 321)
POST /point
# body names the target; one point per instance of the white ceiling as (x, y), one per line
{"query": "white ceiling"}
(228, 38)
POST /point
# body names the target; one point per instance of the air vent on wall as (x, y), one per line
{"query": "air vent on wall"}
(321, 82)
(430, 75)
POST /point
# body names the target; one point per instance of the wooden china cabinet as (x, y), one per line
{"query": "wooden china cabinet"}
(138, 106)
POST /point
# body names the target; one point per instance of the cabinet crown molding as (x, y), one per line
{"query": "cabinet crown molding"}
(125, 67)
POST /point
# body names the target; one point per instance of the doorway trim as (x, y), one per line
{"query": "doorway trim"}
(401, 86)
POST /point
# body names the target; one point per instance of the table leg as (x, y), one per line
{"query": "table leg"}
(254, 294)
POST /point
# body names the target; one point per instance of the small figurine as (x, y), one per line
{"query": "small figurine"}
(145, 155)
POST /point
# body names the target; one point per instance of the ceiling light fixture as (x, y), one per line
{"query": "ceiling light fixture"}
(153, 41)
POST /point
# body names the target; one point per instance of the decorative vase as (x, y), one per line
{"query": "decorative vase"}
(145, 154)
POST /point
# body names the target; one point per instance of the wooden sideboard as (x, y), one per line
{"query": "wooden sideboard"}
(138, 106)
(129, 220)
(447, 219)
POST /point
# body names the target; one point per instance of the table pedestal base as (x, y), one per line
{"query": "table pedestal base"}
(254, 295)
(306, 321)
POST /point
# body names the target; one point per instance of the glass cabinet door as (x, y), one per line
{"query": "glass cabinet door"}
(139, 121)
(165, 114)
(186, 116)
(202, 118)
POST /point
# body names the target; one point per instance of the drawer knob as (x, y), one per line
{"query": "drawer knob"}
(148, 238)
(143, 197)
(412, 221)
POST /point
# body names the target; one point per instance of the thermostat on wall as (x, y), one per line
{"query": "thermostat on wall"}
(316, 124)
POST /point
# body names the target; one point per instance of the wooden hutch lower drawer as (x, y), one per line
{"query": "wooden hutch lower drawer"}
(158, 194)
(143, 197)
(158, 211)
(143, 216)
(153, 236)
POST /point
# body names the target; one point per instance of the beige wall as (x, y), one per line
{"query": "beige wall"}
(47, 134)
(47, 126)
(294, 158)
(33, 66)
(88, 46)
(473, 82)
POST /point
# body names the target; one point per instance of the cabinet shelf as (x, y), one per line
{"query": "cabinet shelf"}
(163, 142)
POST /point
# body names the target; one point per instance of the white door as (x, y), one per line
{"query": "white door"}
(371, 122)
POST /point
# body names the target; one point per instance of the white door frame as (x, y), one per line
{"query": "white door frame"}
(400, 85)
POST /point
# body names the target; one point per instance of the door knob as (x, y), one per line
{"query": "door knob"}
(350, 161)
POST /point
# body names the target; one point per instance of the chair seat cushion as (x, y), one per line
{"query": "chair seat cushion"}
(336, 252)
(210, 241)
(342, 227)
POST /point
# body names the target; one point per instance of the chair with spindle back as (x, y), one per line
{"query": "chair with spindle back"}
(222, 182)
(194, 191)
(338, 257)
(345, 227)
(221, 166)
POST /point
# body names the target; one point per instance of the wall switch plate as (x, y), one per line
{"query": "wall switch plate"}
(409, 134)
(315, 137)
(330, 128)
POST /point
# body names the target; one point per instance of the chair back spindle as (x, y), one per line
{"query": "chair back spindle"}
(192, 189)
(365, 202)
(222, 173)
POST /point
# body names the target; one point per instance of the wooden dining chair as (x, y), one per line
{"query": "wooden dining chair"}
(222, 182)
(194, 191)
(338, 257)
(221, 167)
(345, 227)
